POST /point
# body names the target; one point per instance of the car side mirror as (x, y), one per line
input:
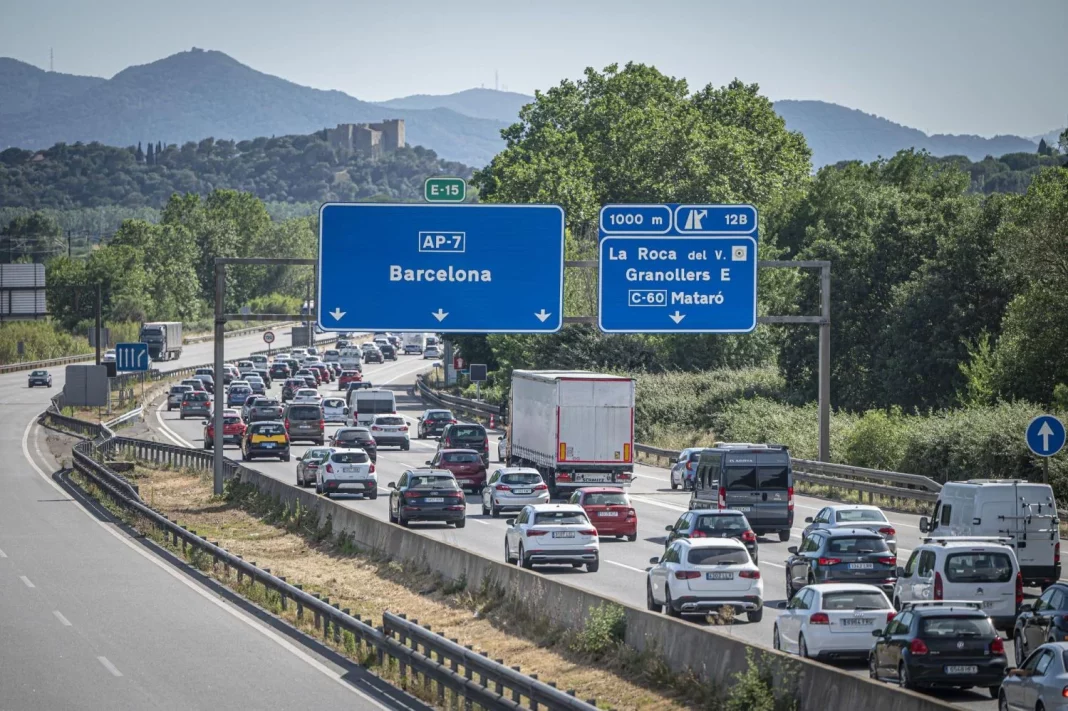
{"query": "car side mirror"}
(391, 485)
(654, 560)
(808, 519)
(781, 605)
(344, 410)
(792, 549)
(1027, 607)
(876, 633)
(669, 527)
(428, 462)
(923, 524)
(510, 522)
(901, 572)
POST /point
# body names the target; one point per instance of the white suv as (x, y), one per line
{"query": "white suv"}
(702, 575)
(972, 569)
(552, 534)
(832, 620)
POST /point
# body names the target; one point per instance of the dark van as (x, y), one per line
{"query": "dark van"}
(756, 479)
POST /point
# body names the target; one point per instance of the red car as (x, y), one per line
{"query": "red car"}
(465, 464)
(349, 376)
(609, 510)
(326, 374)
(233, 429)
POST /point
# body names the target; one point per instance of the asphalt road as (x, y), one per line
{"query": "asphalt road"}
(89, 618)
(622, 575)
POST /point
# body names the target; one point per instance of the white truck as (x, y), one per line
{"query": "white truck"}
(164, 339)
(1024, 512)
(413, 343)
(575, 427)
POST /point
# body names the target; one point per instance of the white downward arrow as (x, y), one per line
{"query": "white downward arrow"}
(1045, 432)
(337, 314)
(542, 315)
(439, 314)
(676, 317)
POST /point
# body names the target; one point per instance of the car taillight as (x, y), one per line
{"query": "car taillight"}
(372, 469)
(888, 560)
(563, 476)
(890, 616)
(751, 574)
(997, 646)
(374, 428)
(322, 424)
(938, 586)
(452, 422)
(1019, 588)
(689, 466)
(531, 532)
(1057, 553)
(330, 468)
(722, 497)
(541, 487)
(485, 443)
(588, 532)
(631, 513)
(404, 428)
(503, 487)
(829, 561)
(918, 646)
(819, 618)
(749, 536)
(790, 499)
(887, 531)
(697, 533)
(686, 574)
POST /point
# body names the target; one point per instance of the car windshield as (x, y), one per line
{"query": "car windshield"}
(39, 372)
(440, 415)
(333, 402)
(348, 374)
(350, 457)
(197, 396)
(560, 517)
(317, 454)
(850, 515)
(979, 567)
(230, 420)
(729, 523)
(348, 435)
(521, 478)
(266, 403)
(855, 600)
(270, 430)
(943, 627)
(467, 432)
(181, 389)
(432, 482)
(856, 545)
(389, 420)
(606, 499)
(717, 556)
(461, 457)
(303, 413)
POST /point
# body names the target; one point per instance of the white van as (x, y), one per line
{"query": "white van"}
(365, 404)
(260, 361)
(350, 358)
(430, 342)
(972, 569)
(1022, 511)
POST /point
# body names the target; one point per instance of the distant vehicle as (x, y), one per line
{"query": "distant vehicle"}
(305, 421)
(109, 356)
(939, 644)
(332, 355)
(265, 439)
(355, 438)
(431, 353)
(502, 449)
(265, 409)
(307, 395)
(432, 423)
(209, 382)
(427, 495)
(841, 555)
(705, 575)
(552, 534)
(756, 479)
(348, 376)
(390, 431)
(259, 360)
(237, 394)
(279, 371)
(195, 403)
(430, 341)
(174, 397)
(832, 621)
(465, 464)
(684, 470)
(347, 472)
(609, 510)
(1040, 681)
(246, 407)
(233, 429)
(389, 352)
(334, 409)
(40, 377)
(365, 404)
(1023, 511)
(164, 339)
(852, 516)
(350, 358)
(256, 383)
(412, 343)
(373, 355)
(290, 388)
(195, 383)
(308, 465)
(511, 488)
(465, 435)
(245, 367)
(714, 523)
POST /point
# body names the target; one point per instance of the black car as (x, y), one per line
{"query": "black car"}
(355, 437)
(841, 555)
(294, 366)
(939, 644)
(714, 523)
(279, 371)
(388, 352)
(292, 385)
(372, 355)
(427, 495)
(40, 377)
(432, 423)
(464, 435)
(1044, 621)
(265, 375)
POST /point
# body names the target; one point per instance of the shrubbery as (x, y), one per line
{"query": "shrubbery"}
(45, 339)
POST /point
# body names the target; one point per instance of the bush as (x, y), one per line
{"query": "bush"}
(763, 420)
(877, 440)
(46, 339)
(754, 690)
(606, 628)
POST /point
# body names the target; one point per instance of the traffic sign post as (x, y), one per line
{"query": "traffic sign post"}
(441, 268)
(445, 190)
(478, 376)
(131, 357)
(678, 269)
(1045, 437)
(268, 338)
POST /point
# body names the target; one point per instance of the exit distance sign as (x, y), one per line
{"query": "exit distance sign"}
(444, 190)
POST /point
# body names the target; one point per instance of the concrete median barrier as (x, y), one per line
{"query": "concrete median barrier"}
(712, 655)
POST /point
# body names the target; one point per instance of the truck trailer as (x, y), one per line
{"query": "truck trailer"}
(164, 339)
(575, 427)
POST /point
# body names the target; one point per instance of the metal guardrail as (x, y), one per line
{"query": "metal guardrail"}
(396, 639)
(134, 414)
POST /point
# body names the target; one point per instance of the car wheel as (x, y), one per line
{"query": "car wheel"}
(495, 512)
(594, 566)
(873, 670)
(755, 615)
(776, 643)
(634, 536)
(802, 647)
(903, 679)
(373, 495)
(1018, 649)
(996, 690)
(668, 607)
(485, 511)
(897, 604)
(401, 520)
(461, 523)
(284, 458)
(507, 556)
(318, 489)
(390, 516)
(789, 587)
(407, 446)
(524, 562)
(784, 535)
(245, 457)
(651, 604)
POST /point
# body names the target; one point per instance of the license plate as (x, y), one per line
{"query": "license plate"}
(268, 445)
(522, 491)
(351, 470)
(962, 669)
(743, 509)
(594, 477)
(719, 576)
(434, 500)
(861, 566)
(856, 621)
(609, 513)
(989, 603)
(352, 486)
(563, 534)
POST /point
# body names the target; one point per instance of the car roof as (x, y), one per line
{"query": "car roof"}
(851, 533)
(427, 471)
(941, 610)
(459, 450)
(268, 422)
(573, 508)
(518, 470)
(602, 490)
(854, 507)
(972, 543)
(712, 543)
(717, 512)
(843, 587)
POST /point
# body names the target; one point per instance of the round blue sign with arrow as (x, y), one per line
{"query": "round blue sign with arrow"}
(1045, 435)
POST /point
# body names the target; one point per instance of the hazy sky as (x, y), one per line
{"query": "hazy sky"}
(943, 66)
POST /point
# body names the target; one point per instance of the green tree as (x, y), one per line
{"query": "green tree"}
(67, 291)
(1044, 149)
(35, 237)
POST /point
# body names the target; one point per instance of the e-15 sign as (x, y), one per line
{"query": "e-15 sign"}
(445, 190)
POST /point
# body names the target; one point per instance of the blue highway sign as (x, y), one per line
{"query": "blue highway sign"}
(1045, 435)
(697, 276)
(131, 357)
(441, 268)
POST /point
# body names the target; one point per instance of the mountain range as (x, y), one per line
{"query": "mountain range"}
(192, 95)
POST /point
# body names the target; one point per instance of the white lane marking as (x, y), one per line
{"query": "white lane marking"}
(62, 620)
(658, 503)
(167, 431)
(484, 523)
(109, 666)
(773, 565)
(210, 597)
(624, 565)
(2, 554)
(26, 581)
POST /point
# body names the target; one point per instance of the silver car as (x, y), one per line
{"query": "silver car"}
(334, 409)
(512, 488)
(174, 397)
(853, 516)
(1040, 681)
(195, 404)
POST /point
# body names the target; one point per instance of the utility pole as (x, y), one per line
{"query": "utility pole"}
(68, 245)
(98, 334)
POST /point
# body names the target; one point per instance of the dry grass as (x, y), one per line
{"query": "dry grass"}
(368, 586)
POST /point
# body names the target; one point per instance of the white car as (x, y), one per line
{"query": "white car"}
(832, 620)
(552, 534)
(245, 367)
(702, 575)
(307, 395)
(431, 353)
(347, 471)
(332, 356)
(109, 356)
(298, 353)
(334, 409)
(502, 450)
(312, 350)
